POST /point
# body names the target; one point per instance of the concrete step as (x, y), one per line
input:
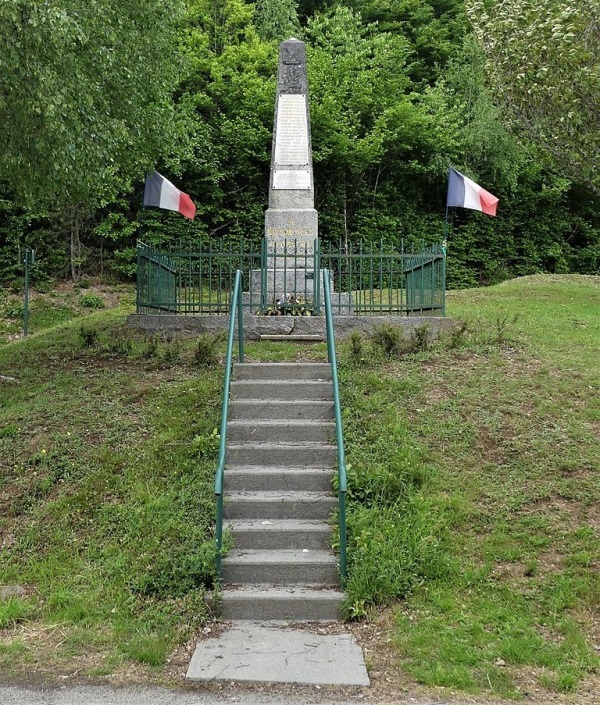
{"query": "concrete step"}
(306, 338)
(279, 505)
(307, 455)
(287, 602)
(280, 568)
(280, 409)
(253, 478)
(279, 534)
(265, 431)
(282, 370)
(282, 389)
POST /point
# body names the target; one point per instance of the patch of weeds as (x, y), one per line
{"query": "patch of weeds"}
(13, 611)
(392, 549)
(358, 354)
(503, 328)
(84, 283)
(10, 430)
(150, 347)
(206, 351)
(120, 344)
(91, 300)
(420, 338)
(14, 311)
(389, 340)
(457, 337)
(171, 350)
(207, 446)
(88, 337)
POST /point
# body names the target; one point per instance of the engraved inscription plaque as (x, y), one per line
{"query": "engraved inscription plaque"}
(291, 134)
(291, 180)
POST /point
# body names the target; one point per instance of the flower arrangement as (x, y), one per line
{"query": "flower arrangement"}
(290, 305)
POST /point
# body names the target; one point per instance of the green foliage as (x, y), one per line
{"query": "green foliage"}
(398, 92)
(88, 336)
(543, 63)
(207, 348)
(91, 301)
(13, 611)
(95, 70)
(389, 339)
(276, 19)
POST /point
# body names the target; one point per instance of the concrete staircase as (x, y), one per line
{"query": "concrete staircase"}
(278, 496)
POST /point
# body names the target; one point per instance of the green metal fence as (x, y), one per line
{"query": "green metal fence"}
(286, 279)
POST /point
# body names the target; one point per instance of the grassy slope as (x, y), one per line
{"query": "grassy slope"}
(106, 458)
(502, 435)
(474, 492)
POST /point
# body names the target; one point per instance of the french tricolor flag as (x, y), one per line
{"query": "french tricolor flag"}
(161, 193)
(465, 193)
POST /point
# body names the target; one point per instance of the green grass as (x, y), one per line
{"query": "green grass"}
(473, 490)
(107, 456)
(477, 461)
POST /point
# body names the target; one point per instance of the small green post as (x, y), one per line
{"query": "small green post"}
(29, 260)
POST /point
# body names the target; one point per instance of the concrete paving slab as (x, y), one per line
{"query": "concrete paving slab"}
(273, 652)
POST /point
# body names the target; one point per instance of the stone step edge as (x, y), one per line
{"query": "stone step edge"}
(275, 469)
(291, 525)
(281, 365)
(283, 591)
(280, 496)
(284, 446)
(278, 557)
(311, 423)
(279, 382)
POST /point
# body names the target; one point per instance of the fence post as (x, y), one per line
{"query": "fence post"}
(29, 260)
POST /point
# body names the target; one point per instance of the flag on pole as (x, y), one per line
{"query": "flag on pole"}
(465, 193)
(161, 193)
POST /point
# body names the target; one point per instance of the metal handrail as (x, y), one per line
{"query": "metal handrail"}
(342, 480)
(234, 306)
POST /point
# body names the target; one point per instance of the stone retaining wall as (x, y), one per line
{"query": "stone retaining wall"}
(255, 326)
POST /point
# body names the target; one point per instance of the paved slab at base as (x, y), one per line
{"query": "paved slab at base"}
(272, 652)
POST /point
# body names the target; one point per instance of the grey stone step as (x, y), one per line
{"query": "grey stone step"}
(272, 534)
(282, 370)
(280, 567)
(287, 602)
(278, 505)
(291, 338)
(253, 478)
(308, 455)
(282, 389)
(287, 431)
(280, 409)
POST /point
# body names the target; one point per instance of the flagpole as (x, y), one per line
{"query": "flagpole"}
(141, 216)
(445, 240)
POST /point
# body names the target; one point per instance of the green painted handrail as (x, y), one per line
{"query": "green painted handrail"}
(342, 481)
(234, 306)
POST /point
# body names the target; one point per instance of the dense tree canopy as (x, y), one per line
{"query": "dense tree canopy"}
(398, 92)
(544, 64)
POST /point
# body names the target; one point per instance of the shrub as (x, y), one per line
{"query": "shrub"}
(91, 301)
(206, 352)
(357, 350)
(150, 348)
(420, 338)
(389, 339)
(88, 337)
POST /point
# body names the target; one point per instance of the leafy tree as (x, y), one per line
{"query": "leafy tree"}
(277, 19)
(544, 65)
(84, 99)
(434, 29)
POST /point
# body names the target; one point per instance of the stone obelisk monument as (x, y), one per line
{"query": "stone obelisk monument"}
(291, 220)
